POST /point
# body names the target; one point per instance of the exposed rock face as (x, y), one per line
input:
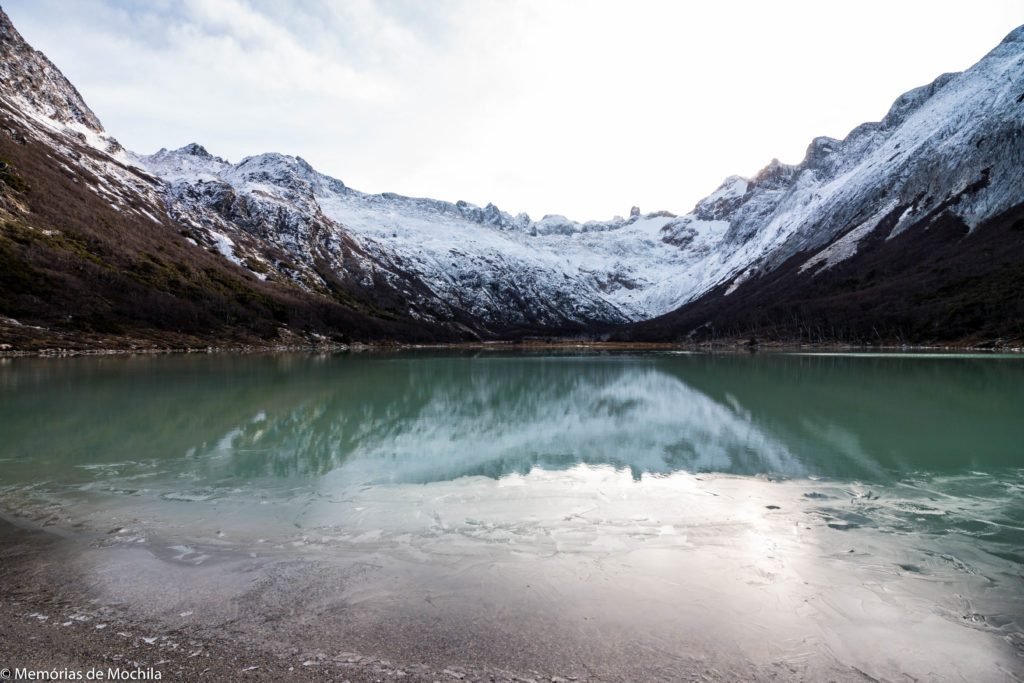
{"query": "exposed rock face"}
(27, 74)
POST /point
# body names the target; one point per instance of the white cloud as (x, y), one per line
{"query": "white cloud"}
(582, 108)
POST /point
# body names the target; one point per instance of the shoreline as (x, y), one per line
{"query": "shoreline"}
(734, 346)
(53, 621)
(81, 591)
(19, 340)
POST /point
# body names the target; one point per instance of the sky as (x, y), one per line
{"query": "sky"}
(575, 107)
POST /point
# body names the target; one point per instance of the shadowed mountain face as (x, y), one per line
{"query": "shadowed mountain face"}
(908, 230)
(938, 281)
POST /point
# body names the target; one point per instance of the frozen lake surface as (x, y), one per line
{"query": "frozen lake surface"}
(613, 516)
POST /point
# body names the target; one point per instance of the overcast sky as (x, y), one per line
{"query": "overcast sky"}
(547, 106)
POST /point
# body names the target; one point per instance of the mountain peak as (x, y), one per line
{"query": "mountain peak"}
(26, 74)
(194, 149)
(1014, 36)
(912, 100)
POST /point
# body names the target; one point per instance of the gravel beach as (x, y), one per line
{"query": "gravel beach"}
(53, 623)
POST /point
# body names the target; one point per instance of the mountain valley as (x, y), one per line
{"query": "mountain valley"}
(908, 231)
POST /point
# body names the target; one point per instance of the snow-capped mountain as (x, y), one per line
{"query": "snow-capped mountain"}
(500, 269)
(953, 145)
(947, 154)
(91, 256)
(909, 228)
(30, 77)
(441, 257)
(51, 110)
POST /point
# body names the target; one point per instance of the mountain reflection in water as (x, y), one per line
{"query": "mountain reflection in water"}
(416, 418)
(861, 500)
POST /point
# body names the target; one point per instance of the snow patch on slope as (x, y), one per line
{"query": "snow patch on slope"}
(846, 246)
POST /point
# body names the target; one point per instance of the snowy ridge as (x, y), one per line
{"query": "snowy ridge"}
(962, 132)
(498, 268)
(954, 146)
(50, 109)
(28, 76)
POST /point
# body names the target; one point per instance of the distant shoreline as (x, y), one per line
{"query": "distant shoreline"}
(724, 346)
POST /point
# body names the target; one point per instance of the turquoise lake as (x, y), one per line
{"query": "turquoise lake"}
(783, 511)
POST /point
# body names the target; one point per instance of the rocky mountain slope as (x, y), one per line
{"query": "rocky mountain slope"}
(502, 271)
(948, 149)
(910, 229)
(469, 259)
(905, 230)
(90, 256)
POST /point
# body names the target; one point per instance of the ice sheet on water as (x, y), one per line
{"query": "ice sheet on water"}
(724, 558)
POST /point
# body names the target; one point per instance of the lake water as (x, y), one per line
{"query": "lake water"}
(622, 516)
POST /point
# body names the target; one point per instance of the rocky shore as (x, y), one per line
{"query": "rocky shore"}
(53, 623)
